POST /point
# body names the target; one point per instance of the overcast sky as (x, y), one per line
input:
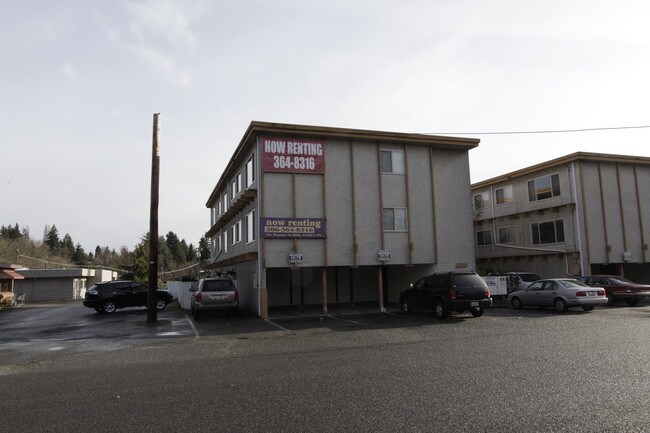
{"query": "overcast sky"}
(81, 79)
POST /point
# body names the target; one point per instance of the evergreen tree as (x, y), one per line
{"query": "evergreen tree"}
(52, 240)
(79, 256)
(67, 246)
(204, 249)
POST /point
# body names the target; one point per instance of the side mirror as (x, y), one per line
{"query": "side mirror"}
(193, 289)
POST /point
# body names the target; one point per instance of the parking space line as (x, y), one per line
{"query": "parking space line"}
(196, 333)
(277, 326)
(346, 320)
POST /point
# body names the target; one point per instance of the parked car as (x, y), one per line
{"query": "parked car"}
(108, 296)
(214, 294)
(619, 288)
(560, 293)
(447, 292)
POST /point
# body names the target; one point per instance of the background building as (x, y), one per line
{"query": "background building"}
(307, 215)
(581, 214)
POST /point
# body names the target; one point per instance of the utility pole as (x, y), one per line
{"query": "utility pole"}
(152, 313)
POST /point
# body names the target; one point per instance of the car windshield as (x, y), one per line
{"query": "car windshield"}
(619, 280)
(572, 283)
(217, 286)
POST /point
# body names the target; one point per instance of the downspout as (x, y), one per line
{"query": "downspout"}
(576, 222)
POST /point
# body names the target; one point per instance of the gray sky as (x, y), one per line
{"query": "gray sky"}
(81, 80)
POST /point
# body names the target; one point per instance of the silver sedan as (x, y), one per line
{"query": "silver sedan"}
(560, 293)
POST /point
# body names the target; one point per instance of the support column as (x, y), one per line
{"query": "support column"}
(325, 291)
(380, 285)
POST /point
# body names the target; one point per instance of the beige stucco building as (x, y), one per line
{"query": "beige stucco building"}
(580, 214)
(308, 215)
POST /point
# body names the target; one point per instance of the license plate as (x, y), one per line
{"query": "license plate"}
(474, 304)
(591, 293)
(218, 297)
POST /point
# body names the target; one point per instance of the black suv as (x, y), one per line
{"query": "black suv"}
(108, 296)
(447, 292)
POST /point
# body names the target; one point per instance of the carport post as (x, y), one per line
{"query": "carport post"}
(325, 291)
(380, 284)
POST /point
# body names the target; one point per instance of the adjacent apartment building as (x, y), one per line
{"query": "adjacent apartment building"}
(580, 214)
(309, 215)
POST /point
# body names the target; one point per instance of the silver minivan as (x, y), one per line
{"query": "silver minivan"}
(214, 294)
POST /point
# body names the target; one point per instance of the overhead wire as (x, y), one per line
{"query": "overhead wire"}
(549, 131)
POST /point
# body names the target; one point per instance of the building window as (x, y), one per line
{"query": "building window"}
(250, 227)
(220, 212)
(507, 235)
(549, 232)
(392, 161)
(504, 195)
(544, 187)
(236, 232)
(235, 186)
(395, 219)
(218, 244)
(481, 200)
(225, 202)
(250, 171)
(225, 241)
(483, 238)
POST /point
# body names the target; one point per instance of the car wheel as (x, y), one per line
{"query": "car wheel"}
(610, 300)
(440, 310)
(109, 307)
(406, 307)
(477, 311)
(516, 303)
(588, 307)
(160, 304)
(560, 305)
(632, 302)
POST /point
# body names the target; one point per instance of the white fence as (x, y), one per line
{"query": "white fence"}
(181, 291)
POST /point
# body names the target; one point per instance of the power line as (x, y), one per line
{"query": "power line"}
(550, 131)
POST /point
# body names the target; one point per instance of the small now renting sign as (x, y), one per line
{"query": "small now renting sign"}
(283, 228)
(293, 155)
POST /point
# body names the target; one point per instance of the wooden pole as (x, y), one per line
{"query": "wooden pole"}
(152, 313)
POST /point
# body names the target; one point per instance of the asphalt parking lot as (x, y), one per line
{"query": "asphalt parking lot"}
(356, 369)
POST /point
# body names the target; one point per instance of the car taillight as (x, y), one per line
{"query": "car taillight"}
(197, 297)
(453, 294)
(601, 293)
(487, 293)
(581, 293)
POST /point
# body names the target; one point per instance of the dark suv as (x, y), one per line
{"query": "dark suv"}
(447, 292)
(108, 296)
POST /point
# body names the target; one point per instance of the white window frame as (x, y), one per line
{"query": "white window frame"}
(250, 171)
(484, 244)
(507, 198)
(403, 218)
(555, 232)
(397, 165)
(225, 241)
(535, 181)
(484, 200)
(508, 230)
(250, 227)
(237, 232)
(225, 202)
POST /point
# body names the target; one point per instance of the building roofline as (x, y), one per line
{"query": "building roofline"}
(259, 128)
(578, 156)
